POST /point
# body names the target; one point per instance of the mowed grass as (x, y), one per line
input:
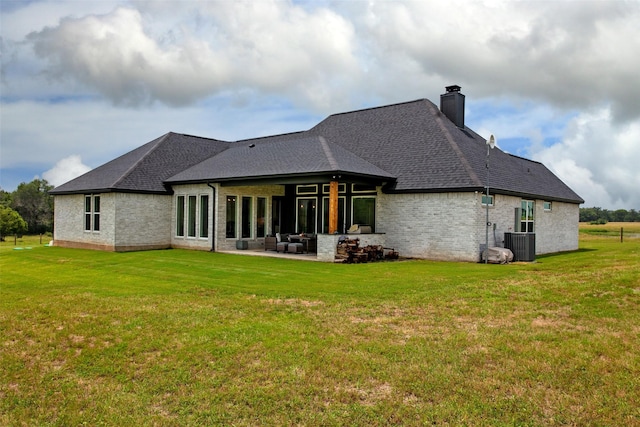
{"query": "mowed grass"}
(193, 338)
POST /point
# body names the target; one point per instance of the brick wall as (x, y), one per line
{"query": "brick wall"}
(439, 226)
(451, 226)
(69, 223)
(143, 221)
(127, 222)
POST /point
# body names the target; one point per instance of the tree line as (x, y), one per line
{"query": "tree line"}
(602, 216)
(27, 210)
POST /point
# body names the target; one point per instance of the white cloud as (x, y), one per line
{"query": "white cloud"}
(269, 46)
(567, 54)
(65, 170)
(598, 160)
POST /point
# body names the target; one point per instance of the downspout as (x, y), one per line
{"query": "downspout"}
(213, 217)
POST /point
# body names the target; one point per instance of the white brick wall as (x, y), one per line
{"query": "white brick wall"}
(431, 225)
(127, 222)
(557, 230)
(451, 226)
(69, 223)
(143, 221)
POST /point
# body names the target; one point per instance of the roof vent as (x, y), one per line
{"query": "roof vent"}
(452, 105)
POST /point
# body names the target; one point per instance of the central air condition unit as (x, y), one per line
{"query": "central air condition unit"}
(523, 245)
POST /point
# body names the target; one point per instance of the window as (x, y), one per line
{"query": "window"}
(87, 213)
(325, 215)
(204, 216)
(180, 216)
(342, 188)
(364, 211)
(306, 221)
(363, 188)
(91, 212)
(526, 216)
(191, 222)
(96, 213)
(485, 198)
(246, 217)
(547, 206)
(307, 189)
(261, 214)
(231, 217)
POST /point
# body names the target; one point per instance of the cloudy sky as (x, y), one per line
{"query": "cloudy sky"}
(85, 81)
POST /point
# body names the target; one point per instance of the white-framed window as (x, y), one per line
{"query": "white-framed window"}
(307, 189)
(363, 188)
(261, 216)
(232, 209)
(204, 216)
(546, 206)
(306, 219)
(92, 212)
(527, 209)
(191, 216)
(342, 188)
(486, 199)
(180, 215)
(363, 211)
(247, 217)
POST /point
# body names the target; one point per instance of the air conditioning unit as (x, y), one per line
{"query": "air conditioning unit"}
(523, 245)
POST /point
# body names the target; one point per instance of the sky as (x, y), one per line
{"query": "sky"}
(83, 82)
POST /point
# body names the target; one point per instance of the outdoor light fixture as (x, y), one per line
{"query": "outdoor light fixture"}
(491, 143)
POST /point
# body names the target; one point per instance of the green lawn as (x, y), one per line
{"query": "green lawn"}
(195, 338)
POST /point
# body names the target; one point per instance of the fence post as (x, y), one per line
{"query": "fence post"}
(621, 234)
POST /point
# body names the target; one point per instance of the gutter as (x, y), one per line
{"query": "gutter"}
(213, 217)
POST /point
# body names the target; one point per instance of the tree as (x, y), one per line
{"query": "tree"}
(34, 203)
(11, 222)
(5, 198)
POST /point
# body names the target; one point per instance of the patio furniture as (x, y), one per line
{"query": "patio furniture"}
(282, 246)
(270, 243)
(295, 248)
(309, 243)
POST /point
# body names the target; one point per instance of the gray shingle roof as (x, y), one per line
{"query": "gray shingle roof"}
(425, 151)
(310, 155)
(412, 146)
(145, 169)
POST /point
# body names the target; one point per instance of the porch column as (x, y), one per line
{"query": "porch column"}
(333, 207)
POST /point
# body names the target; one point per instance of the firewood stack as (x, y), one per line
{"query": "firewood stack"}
(349, 251)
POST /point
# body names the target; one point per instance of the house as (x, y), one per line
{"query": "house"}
(412, 172)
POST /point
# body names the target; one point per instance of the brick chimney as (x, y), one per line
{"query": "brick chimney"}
(452, 105)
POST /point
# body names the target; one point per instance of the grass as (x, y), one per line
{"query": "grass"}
(191, 338)
(612, 229)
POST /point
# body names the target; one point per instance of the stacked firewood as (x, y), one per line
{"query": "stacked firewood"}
(349, 251)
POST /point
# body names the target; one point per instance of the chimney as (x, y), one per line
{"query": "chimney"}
(452, 105)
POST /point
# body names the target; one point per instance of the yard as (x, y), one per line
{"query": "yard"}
(195, 338)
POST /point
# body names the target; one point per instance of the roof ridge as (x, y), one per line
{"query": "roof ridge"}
(374, 108)
(327, 151)
(199, 137)
(269, 136)
(524, 158)
(454, 146)
(137, 162)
